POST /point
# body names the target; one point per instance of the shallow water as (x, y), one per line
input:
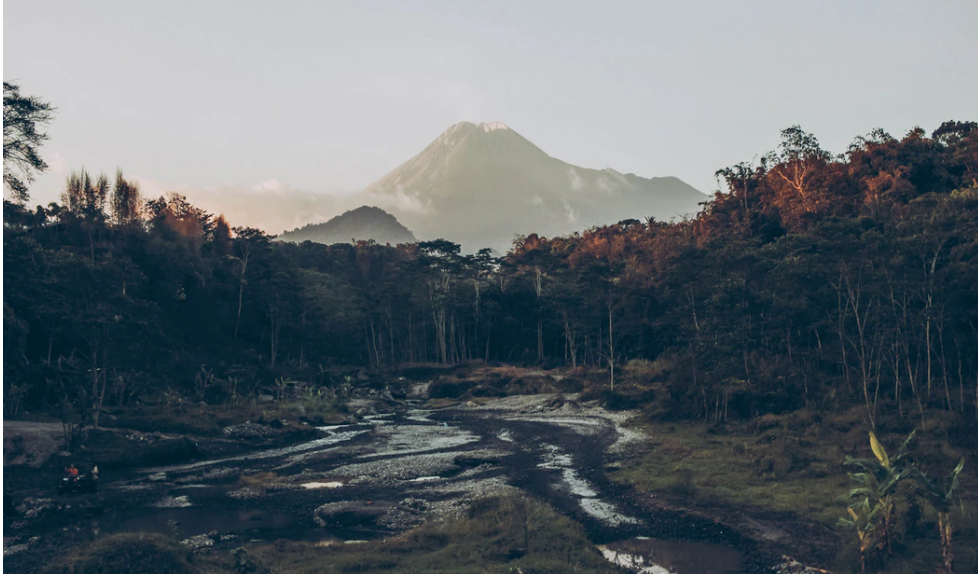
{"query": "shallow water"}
(654, 556)
(369, 479)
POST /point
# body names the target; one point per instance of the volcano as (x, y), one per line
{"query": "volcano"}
(481, 185)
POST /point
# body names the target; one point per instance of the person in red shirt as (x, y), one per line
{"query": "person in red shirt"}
(71, 471)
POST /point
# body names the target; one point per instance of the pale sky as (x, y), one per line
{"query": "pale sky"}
(324, 96)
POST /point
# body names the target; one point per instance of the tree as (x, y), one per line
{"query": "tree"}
(942, 499)
(22, 115)
(126, 204)
(84, 198)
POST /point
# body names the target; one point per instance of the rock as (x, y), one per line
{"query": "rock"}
(173, 502)
(478, 458)
(792, 566)
(220, 472)
(349, 513)
(245, 493)
(247, 429)
(13, 549)
(199, 541)
(34, 507)
(418, 391)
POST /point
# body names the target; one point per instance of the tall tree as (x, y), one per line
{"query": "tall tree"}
(126, 203)
(22, 118)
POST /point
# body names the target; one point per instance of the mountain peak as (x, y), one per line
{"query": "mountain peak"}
(362, 223)
(487, 127)
(493, 126)
(481, 184)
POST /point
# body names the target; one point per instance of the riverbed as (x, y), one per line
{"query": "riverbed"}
(390, 472)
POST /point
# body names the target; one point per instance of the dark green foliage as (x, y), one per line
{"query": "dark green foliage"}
(815, 282)
(23, 116)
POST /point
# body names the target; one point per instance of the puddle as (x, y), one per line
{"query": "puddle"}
(654, 556)
(555, 459)
(606, 512)
(418, 415)
(416, 439)
(315, 485)
(173, 502)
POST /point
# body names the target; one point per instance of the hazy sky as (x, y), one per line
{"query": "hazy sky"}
(323, 96)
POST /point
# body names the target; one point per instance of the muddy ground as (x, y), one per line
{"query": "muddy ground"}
(392, 471)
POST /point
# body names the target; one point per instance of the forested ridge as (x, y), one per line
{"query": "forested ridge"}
(816, 280)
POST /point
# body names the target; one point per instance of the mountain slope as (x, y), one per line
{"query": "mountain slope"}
(482, 184)
(361, 223)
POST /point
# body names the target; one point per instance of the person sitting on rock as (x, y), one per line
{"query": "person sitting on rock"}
(71, 471)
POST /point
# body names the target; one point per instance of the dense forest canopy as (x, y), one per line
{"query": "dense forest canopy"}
(815, 280)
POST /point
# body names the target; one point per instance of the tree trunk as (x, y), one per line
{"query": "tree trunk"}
(947, 547)
(241, 284)
(276, 327)
(611, 344)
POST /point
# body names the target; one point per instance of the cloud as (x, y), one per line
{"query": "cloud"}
(576, 182)
(571, 214)
(399, 201)
(270, 185)
(270, 205)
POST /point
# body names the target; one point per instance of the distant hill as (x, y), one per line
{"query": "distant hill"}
(481, 184)
(362, 223)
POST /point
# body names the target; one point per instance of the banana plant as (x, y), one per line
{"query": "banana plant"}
(865, 529)
(878, 481)
(942, 499)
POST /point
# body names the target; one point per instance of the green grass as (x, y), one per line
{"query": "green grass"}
(781, 474)
(792, 464)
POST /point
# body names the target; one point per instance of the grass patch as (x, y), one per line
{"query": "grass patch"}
(130, 553)
(780, 473)
(495, 535)
(210, 420)
(792, 464)
(481, 381)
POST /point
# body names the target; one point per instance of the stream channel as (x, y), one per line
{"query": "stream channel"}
(391, 472)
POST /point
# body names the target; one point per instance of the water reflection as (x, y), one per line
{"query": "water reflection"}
(654, 556)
